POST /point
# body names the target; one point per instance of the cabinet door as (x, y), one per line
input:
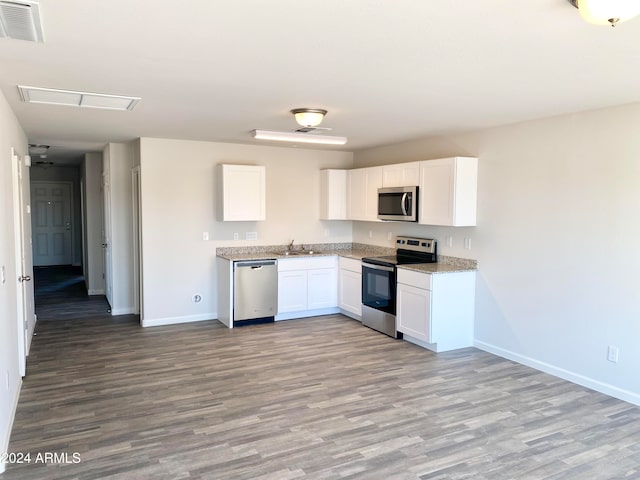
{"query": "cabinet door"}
(362, 193)
(292, 291)
(356, 194)
(333, 194)
(401, 175)
(414, 312)
(243, 192)
(373, 176)
(448, 190)
(351, 291)
(436, 192)
(322, 288)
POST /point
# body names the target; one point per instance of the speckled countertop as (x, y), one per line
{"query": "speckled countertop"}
(356, 251)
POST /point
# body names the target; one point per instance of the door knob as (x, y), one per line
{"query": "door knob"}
(104, 245)
(24, 278)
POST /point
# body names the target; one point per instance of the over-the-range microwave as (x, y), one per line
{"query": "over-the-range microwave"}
(398, 204)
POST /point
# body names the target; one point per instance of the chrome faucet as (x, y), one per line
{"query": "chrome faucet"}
(290, 247)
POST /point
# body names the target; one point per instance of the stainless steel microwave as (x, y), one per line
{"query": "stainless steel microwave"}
(398, 203)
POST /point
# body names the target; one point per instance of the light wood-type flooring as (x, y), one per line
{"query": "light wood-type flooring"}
(319, 398)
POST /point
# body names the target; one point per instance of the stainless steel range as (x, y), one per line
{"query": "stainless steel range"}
(379, 281)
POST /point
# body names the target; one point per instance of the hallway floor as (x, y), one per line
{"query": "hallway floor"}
(61, 294)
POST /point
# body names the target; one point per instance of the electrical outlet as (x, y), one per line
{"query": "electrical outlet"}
(205, 236)
(612, 354)
(370, 233)
(327, 233)
(448, 240)
(236, 236)
(389, 235)
(467, 243)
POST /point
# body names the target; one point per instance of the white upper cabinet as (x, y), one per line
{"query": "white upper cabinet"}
(401, 175)
(448, 191)
(333, 194)
(243, 192)
(362, 193)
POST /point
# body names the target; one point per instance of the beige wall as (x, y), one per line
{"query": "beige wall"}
(179, 195)
(556, 241)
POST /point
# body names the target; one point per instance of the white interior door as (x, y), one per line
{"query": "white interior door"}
(51, 223)
(24, 262)
(106, 239)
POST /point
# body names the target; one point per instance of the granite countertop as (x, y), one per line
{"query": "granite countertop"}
(356, 251)
(439, 267)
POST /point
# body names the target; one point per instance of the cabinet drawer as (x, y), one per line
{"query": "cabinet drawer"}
(288, 264)
(351, 264)
(415, 279)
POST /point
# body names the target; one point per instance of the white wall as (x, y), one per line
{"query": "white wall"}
(11, 135)
(179, 182)
(117, 163)
(93, 221)
(556, 241)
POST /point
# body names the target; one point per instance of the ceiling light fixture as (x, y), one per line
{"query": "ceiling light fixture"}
(298, 137)
(607, 12)
(77, 99)
(309, 117)
(38, 149)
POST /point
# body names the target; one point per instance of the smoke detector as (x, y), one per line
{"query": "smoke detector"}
(21, 20)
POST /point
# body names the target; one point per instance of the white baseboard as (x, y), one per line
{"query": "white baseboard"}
(6, 436)
(96, 292)
(123, 311)
(588, 382)
(156, 322)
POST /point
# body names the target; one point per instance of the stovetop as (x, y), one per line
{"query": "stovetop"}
(410, 251)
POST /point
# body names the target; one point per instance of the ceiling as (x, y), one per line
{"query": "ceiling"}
(386, 70)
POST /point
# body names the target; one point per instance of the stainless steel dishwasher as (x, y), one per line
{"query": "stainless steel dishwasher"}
(255, 291)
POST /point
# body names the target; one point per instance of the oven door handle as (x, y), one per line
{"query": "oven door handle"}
(378, 267)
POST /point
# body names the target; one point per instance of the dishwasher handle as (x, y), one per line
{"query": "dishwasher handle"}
(254, 264)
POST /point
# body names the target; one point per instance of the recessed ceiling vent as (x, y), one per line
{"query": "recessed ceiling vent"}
(21, 20)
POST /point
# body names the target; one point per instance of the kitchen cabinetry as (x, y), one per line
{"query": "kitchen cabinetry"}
(243, 192)
(401, 175)
(436, 311)
(350, 287)
(362, 193)
(448, 190)
(307, 287)
(333, 194)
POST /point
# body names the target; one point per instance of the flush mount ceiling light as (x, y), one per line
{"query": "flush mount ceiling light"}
(21, 20)
(77, 99)
(38, 149)
(309, 117)
(298, 137)
(607, 12)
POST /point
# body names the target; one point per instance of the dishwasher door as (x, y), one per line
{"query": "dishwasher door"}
(255, 289)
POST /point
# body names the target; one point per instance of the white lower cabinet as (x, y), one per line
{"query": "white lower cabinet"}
(307, 287)
(436, 311)
(350, 287)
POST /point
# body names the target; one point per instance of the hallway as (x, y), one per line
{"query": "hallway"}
(61, 294)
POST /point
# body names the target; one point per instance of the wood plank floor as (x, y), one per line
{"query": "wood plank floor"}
(320, 398)
(61, 293)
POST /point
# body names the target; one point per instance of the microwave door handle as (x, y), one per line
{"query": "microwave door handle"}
(404, 204)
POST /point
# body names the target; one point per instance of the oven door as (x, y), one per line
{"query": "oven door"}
(379, 287)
